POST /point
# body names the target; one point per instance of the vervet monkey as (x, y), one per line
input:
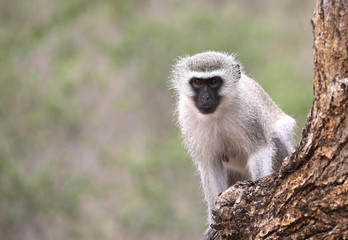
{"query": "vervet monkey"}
(231, 128)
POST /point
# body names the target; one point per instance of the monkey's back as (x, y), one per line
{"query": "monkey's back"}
(256, 93)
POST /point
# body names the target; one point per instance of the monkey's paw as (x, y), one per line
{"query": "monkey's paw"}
(209, 234)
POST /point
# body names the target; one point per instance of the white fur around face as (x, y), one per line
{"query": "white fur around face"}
(185, 69)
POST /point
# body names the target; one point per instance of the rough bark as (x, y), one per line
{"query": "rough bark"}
(308, 198)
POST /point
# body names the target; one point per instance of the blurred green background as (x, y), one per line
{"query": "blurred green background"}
(88, 143)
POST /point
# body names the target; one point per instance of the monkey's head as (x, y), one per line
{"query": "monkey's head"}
(206, 78)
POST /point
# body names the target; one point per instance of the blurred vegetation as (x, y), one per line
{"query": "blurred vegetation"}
(88, 144)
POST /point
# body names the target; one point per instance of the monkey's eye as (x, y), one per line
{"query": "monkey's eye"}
(197, 82)
(214, 82)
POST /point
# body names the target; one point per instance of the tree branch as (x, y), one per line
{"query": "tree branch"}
(308, 198)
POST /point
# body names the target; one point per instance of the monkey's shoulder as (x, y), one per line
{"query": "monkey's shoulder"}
(259, 98)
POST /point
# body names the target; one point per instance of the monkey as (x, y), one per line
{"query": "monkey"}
(230, 126)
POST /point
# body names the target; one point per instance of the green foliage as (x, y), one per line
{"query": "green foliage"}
(88, 145)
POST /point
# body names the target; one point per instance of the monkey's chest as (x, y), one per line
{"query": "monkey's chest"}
(234, 163)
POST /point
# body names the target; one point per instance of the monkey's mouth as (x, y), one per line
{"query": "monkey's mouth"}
(207, 108)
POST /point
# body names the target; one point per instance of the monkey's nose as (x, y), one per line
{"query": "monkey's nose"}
(205, 97)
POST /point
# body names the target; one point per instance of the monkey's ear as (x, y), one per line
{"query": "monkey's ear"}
(237, 70)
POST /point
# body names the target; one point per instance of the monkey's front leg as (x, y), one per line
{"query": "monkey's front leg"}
(214, 181)
(260, 163)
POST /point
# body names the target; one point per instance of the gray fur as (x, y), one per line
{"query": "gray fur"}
(245, 136)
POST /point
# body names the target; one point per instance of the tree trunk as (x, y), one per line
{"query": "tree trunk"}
(308, 198)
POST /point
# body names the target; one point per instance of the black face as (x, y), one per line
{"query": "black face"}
(206, 93)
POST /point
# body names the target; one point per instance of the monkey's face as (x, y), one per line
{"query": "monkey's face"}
(204, 81)
(206, 93)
